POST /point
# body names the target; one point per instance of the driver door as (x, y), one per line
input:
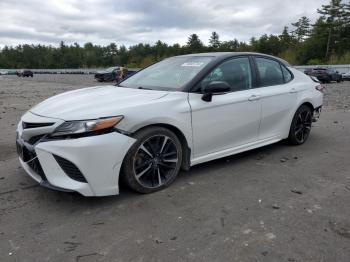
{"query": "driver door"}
(231, 119)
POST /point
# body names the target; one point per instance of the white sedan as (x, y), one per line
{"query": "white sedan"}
(177, 113)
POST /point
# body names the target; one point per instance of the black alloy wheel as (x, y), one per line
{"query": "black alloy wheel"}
(301, 125)
(154, 160)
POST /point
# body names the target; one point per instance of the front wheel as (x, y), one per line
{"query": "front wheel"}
(301, 125)
(154, 161)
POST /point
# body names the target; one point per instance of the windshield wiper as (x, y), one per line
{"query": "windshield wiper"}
(140, 87)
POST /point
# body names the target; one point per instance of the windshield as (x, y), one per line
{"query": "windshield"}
(171, 73)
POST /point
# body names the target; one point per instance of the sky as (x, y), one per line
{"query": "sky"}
(130, 22)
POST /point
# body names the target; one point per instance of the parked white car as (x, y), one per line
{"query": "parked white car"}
(177, 113)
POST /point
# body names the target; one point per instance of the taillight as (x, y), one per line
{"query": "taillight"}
(320, 88)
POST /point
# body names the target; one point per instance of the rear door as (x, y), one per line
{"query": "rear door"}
(278, 97)
(230, 119)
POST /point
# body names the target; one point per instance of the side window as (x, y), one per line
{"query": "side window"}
(270, 72)
(236, 72)
(287, 75)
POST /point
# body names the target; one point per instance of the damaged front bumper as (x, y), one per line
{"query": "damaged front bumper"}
(89, 165)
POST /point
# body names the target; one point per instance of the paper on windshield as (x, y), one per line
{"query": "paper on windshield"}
(193, 64)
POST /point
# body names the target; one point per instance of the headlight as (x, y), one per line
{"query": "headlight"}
(86, 126)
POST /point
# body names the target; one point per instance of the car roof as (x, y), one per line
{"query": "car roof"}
(223, 55)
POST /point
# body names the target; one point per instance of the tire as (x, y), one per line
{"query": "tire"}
(301, 125)
(154, 160)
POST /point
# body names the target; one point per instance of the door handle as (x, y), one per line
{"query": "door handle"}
(254, 98)
(293, 91)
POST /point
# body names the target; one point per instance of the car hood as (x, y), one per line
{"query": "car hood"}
(95, 102)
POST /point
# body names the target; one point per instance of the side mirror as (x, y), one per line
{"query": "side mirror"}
(215, 88)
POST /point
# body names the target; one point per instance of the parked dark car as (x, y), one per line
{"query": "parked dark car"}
(307, 71)
(326, 75)
(108, 74)
(112, 74)
(25, 73)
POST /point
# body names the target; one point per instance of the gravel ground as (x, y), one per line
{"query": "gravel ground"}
(277, 203)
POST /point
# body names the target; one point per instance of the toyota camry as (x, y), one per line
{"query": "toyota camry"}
(174, 114)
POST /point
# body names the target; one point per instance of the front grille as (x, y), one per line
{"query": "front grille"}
(27, 125)
(70, 169)
(34, 139)
(32, 161)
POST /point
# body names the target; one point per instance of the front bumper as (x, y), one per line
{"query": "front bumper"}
(98, 158)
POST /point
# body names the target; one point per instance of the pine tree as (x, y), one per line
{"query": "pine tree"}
(333, 14)
(286, 40)
(302, 28)
(214, 41)
(194, 44)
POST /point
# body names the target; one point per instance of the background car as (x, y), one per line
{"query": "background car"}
(111, 74)
(326, 75)
(108, 74)
(25, 73)
(307, 71)
(346, 76)
(172, 115)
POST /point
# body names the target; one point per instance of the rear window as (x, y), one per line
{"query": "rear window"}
(287, 74)
(270, 72)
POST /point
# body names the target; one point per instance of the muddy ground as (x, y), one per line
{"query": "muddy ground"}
(277, 203)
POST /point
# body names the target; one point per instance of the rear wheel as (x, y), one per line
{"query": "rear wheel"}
(301, 125)
(154, 161)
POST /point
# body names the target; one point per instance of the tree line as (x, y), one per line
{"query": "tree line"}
(327, 41)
